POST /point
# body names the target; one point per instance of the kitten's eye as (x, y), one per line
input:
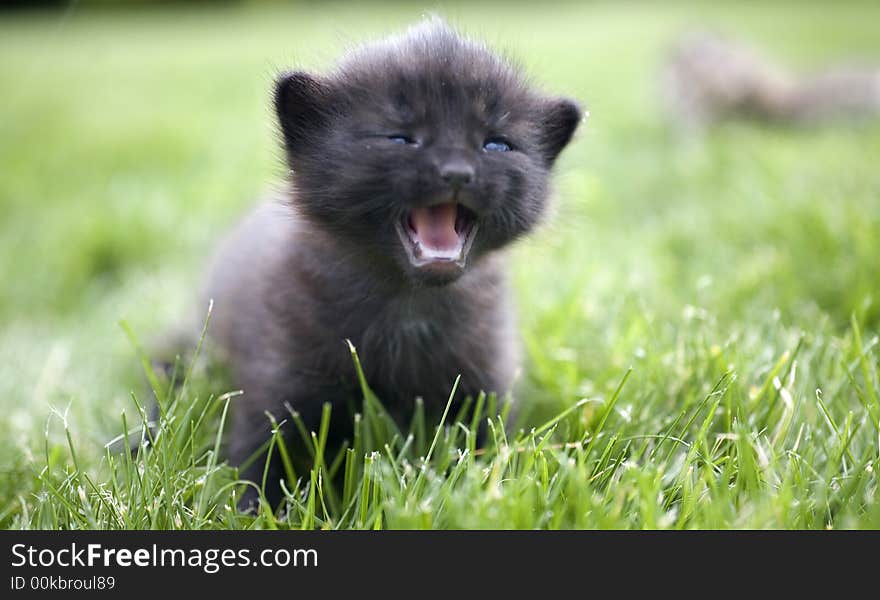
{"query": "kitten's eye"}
(401, 139)
(497, 145)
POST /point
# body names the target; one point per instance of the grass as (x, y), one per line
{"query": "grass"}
(699, 317)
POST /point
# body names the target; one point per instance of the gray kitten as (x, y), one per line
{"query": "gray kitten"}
(710, 78)
(413, 163)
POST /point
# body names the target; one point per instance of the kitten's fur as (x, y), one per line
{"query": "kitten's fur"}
(327, 261)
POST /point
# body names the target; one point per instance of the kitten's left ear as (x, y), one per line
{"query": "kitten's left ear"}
(559, 119)
(302, 103)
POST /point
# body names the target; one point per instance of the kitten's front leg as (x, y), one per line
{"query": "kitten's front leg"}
(252, 430)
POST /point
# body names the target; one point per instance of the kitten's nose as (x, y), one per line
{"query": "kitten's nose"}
(457, 173)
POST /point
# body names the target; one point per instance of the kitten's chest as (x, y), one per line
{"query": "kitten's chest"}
(412, 342)
(416, 343)
(408, 355)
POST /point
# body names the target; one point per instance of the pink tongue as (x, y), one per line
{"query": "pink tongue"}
(435, 226)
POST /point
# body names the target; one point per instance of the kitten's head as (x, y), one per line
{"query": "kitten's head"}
(425, 150)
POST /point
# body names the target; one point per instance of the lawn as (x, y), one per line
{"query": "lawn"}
(699, 315)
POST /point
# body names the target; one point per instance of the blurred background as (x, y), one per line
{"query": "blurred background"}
(133, 133)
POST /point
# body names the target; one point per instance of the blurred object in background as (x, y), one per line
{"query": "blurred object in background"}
(711, 78)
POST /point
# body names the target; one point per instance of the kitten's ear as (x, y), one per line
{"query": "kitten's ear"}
(558, 120)
(302, 102)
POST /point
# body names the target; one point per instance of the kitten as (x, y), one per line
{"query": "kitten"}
(710, 78)
(413, 164)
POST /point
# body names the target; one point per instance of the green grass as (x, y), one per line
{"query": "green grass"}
(700, 316)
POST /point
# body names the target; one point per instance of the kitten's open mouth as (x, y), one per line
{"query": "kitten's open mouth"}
(437, 235)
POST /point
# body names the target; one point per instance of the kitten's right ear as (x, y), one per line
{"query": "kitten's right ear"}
(301, 103)
(559, 119)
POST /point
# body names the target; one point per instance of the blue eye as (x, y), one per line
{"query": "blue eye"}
(400, 139)
(496, 145)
